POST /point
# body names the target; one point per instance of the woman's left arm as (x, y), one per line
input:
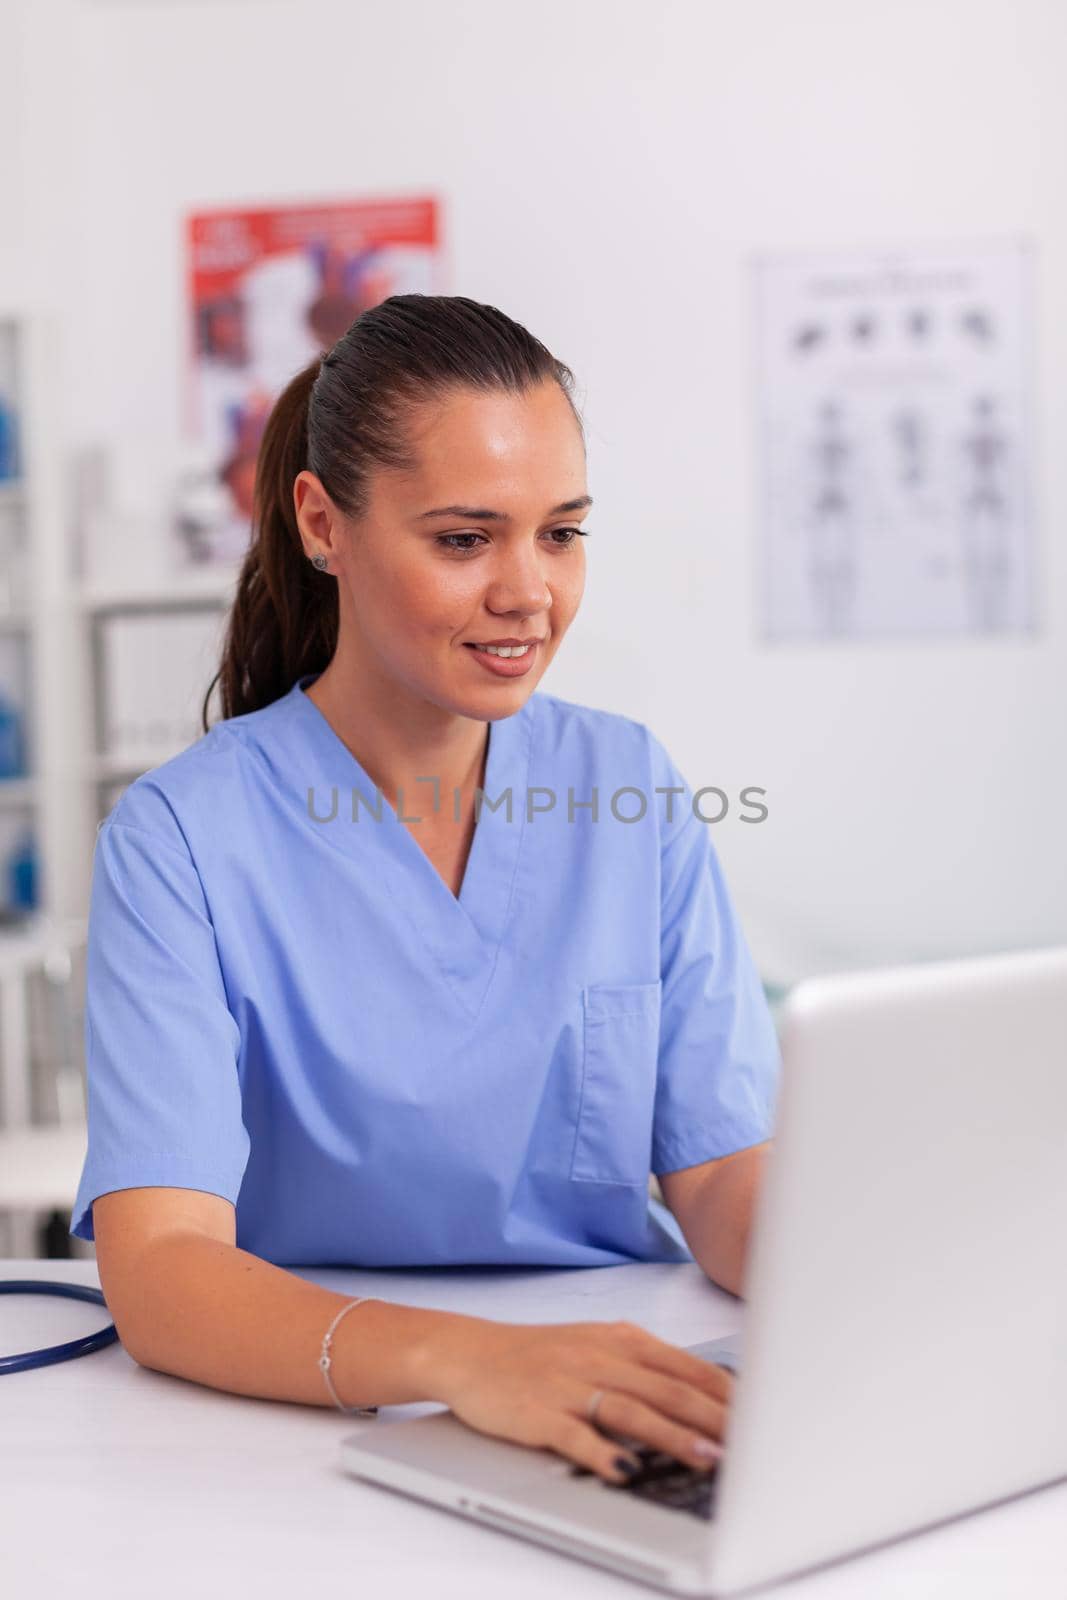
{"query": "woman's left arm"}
(715, 1203)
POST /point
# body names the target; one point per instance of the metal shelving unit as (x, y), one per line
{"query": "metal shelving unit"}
(198, 594)
(56, 635)
(38, 668)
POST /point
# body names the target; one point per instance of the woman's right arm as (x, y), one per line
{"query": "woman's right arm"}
(187, 1301)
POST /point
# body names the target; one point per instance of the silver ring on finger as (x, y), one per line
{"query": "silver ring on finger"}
(594, 1401)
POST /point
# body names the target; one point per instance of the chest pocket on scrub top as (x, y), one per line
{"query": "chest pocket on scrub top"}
(620, 1048)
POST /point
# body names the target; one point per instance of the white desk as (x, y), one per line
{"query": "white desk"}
(116, 1481)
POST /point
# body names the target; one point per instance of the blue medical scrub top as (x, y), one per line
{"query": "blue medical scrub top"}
(287, 1006)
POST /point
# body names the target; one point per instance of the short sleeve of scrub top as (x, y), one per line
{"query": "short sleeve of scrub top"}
(287, 1006)
(161, 1044)
(719, 1060)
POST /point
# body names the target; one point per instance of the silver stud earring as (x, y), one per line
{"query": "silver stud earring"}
(319, 562)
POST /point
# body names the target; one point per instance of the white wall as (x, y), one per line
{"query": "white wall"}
(607, 167)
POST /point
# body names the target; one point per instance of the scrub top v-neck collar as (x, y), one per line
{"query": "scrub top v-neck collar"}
(463, 934)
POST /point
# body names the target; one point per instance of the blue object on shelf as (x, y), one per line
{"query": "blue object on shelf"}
(9, 450)
(11, 754)
(22, 872)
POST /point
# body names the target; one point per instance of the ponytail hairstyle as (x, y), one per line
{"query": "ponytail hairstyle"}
(338, 418)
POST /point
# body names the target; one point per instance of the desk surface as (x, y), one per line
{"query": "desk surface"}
(116, 1481)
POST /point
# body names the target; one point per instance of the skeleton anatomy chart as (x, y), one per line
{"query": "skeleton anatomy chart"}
(896, 438)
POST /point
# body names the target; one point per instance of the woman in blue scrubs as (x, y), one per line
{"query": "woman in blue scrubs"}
(406, 962)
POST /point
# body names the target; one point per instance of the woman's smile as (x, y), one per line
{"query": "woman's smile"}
(513, 665)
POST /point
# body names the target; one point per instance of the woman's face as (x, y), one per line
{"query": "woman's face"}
(478, 543)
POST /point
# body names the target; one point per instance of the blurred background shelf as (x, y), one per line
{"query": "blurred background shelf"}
(49, 801)
(128, 765)
(40, 1167)
(186, 591)
(18, 791)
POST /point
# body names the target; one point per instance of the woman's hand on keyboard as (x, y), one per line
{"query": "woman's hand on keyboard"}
(533, 1385)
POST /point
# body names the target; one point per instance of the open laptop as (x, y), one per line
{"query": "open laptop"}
(905, 1343)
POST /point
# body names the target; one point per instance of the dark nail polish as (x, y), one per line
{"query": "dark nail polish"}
(624, 1464)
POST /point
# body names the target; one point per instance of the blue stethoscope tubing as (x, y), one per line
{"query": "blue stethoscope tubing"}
(28, 1359)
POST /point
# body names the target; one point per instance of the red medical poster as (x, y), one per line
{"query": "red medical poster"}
(268, 290)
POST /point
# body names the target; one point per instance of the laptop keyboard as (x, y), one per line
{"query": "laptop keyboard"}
(664, 1479)
(668, 1482)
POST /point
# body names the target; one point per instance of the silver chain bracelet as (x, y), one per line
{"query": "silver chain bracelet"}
(325, 1362)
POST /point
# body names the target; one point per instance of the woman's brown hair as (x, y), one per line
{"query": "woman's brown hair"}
(340, 417)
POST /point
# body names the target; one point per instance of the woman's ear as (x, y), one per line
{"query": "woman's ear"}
(316, 515)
